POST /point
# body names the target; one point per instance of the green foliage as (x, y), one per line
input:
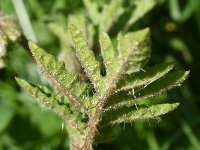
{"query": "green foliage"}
(112, 11)
(60, 77)
(142, 7)
(168, 82)
(172, 40)
(123, 85)
(128, 114)
(134, 50)
(143, 78)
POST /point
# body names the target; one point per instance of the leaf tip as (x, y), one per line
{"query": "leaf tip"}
(20, 81)
(17, 79)
(72, 27)
(171, 64)
(146, 32)
(102, 34)
(187, 73)
(175, 105)
(147, 29)
(32, 45)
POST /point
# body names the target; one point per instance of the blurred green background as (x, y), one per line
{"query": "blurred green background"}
(175, 35)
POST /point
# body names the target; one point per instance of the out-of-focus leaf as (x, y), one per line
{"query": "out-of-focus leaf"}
(141, 8)
(108, 134)
(6, 115)
(182, 15)
(24, 19)
(110, 14)
(179, 45)
(195, 144)
(67, 53)
(93, 11)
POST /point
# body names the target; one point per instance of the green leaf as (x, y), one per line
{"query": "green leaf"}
(164, 84)
(44, 97)
(108, 134)
(80, 21)
(57, 73)
(6, 115)
(24, 20)
(110, 14)
(111, 99)
(49, 100)
(181, 13)
(92, 9)
(194, 141)
(141, 8)
(144, 78)
(129, 114)
(86, 57)
(134, 50)
(67, 53)
(133, 53)
(108, 52)
(168, 82)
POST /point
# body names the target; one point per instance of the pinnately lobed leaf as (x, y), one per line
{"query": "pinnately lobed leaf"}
(86, 57)
(134, 49)
(132, 54)
(115, 94)
(50, 100)
(144, 78)
(164, 84)
(56, 72)
(45, 98)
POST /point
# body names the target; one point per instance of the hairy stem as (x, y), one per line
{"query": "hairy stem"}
(75, 144)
